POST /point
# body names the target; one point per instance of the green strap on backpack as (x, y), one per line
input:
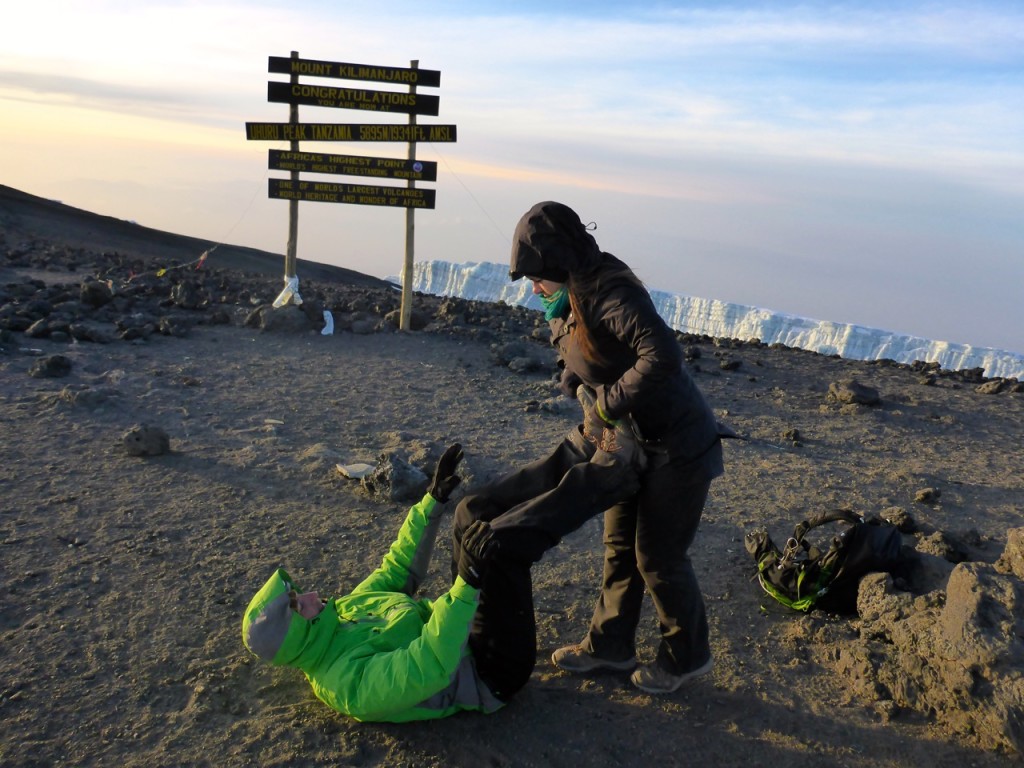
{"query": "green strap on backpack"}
(803, 575)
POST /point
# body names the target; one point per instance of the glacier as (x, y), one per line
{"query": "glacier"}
(486, 281)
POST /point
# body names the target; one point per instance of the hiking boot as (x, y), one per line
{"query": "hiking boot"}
(572, 658)
(653, 678)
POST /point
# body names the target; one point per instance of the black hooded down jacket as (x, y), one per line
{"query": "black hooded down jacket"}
(640, 371)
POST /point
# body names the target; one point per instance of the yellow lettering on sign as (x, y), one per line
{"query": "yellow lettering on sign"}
(264, 131)
(440, 133)
(303, 157)
(377, 73)
(392, 97)
(300, 67)
(332, 133)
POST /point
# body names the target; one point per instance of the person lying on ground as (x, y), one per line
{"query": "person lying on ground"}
(379, 653)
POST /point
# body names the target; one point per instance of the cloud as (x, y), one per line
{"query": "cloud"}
(769, 143)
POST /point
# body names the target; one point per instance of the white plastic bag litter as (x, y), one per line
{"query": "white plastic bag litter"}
(291, 291)
(355, 471)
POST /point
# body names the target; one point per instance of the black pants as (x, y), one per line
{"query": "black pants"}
(530, 511)
(646, 544)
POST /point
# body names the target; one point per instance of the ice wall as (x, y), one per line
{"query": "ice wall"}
(484, 281)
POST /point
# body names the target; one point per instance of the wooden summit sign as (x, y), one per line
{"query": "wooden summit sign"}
(295, 189)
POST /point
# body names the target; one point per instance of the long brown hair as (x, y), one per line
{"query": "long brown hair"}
(583, 288)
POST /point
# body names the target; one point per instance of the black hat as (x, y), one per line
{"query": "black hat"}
(549, 243)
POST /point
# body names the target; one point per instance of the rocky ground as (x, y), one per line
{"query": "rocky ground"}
(169, 439)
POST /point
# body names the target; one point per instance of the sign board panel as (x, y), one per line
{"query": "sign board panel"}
(281, 65)
(358, 194)
(348, 132)
(353, 165)
(353, 98)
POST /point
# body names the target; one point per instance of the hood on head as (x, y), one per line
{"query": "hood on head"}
(271, 630)
(550, 243)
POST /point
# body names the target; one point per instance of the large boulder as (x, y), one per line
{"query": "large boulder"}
(955, 654)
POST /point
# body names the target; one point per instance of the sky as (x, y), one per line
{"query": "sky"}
(860, 162)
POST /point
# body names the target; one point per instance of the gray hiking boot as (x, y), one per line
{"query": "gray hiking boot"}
(653, 678)
(572, 658)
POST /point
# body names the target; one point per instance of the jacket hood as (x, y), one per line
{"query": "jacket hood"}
(550, 243)
(275, 633)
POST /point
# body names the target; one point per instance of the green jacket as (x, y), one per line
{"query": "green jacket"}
(377, 653)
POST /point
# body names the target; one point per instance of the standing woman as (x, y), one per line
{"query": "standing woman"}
(623, 360)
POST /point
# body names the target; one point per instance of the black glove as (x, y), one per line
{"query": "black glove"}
(568, 382)
(477, 545)
(445, 480)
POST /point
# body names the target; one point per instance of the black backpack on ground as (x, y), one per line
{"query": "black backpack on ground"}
(804, 575)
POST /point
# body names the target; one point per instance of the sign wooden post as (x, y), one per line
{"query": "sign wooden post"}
(295, 189)
(405, 314)
(293, 205)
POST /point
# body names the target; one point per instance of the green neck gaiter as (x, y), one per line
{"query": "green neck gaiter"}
(556, 305)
